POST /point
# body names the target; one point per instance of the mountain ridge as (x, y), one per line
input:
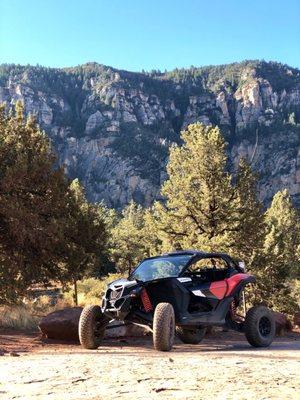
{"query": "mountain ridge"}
(112, 128)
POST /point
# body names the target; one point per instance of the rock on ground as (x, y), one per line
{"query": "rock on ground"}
(63, 325)
(283, 324)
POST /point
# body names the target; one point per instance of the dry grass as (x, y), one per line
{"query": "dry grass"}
(90, 290)
(26, 316)
(17, 317)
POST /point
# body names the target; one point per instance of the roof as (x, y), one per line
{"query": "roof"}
(194, 253)
(183, 252)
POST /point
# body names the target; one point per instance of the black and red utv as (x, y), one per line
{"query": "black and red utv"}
(182, 292)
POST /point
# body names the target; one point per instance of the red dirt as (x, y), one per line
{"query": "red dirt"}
(29, 342)
(223, 366)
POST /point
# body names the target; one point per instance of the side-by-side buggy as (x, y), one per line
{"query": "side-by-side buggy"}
(184, 293)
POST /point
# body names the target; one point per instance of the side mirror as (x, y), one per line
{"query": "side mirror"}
(242, 266)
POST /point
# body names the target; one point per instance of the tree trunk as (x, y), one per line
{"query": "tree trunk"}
(75, 298)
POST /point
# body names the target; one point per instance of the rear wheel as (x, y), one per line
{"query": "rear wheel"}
(259, 326)
(190, 336)
(163, 327)
(92, 325)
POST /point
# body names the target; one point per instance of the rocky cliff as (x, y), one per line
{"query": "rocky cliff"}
(112, 129)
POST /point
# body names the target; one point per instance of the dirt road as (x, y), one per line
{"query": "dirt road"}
(215, 369)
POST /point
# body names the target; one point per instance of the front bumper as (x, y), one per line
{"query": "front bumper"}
(118, 308)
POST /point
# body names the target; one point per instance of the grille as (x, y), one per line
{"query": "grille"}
(115, 294)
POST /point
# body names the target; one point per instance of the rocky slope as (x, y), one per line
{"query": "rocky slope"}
(112, 128)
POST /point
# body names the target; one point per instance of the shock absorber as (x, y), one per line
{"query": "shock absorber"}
(233, 309)
(146, 301)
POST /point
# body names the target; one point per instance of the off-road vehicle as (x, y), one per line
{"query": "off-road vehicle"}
(184, 293)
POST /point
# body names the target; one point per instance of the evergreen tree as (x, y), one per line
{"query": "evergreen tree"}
(127, 239)
(153, 232)
(279, 258)
(201, 203)
(48, 231)
(85, 237)
(251, 221)
(32, 201)
(283, 232)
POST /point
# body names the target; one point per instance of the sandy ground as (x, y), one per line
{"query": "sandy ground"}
(222, 367)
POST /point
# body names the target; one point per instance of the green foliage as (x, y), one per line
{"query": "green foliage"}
(280, 76)
(127, 247)
(231, 76)
(48, 231)
(283, 233)
(279, 260)
(202, 205)
(206, 208)
(251, 222)
(85, 235)
(134, 237)
(32, 202)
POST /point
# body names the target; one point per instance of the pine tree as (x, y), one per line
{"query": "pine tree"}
(279, 259)
(32, 201)
(152, 231)
(201, 203)
(85, 236)
(251, 221)
(127, 240)
(283, 232)
(48, 231)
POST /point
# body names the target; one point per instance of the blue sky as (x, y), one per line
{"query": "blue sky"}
(148, 34)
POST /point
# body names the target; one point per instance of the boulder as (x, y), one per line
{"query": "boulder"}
(297, 319)
(63, 325)
(282, 323)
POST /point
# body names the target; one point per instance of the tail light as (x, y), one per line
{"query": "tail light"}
(146, 301)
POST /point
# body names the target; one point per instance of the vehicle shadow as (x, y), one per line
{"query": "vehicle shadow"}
(227, 344)
(215, 344)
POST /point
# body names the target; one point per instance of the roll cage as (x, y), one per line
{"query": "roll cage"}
(196, 256)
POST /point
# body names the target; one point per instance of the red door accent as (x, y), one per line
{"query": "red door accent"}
(218, 289)
(233, 281)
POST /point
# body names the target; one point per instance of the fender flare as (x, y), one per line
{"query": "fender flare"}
(244, 279)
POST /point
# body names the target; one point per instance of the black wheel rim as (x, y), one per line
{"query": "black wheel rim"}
(264, 326)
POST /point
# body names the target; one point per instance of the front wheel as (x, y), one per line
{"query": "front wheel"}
(259, 326)
(163, 327)
(91, 327)
(190, 336)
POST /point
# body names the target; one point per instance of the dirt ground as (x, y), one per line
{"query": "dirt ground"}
(222, 367)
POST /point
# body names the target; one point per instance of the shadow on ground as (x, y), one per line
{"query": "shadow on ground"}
(218, 342)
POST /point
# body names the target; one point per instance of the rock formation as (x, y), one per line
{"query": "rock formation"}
(112, 129)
